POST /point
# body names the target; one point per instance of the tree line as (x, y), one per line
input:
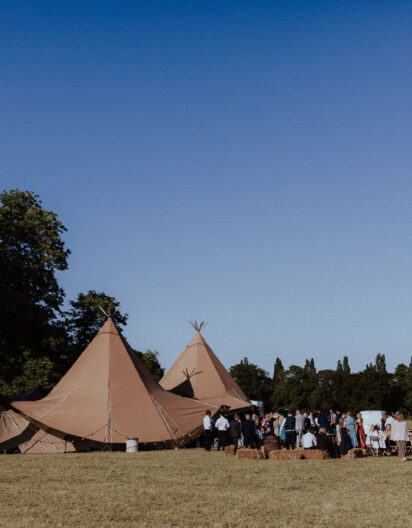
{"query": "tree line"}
(42, 333)
(306, 388)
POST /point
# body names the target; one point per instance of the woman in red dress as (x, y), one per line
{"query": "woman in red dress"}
(361, 432)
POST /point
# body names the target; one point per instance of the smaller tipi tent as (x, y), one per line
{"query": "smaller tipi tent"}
(18, 434)
(14, 429)
(109, 396)
(198, 373)
(45, 443)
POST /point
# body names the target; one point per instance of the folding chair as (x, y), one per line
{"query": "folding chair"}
(375, 445)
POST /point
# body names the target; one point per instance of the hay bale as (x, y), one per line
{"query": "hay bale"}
(286, 455)
(315, 454)
(251, 454)
(354, 453)
(229, 450)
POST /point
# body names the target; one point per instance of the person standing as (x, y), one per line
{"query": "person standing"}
(257, 436)
(339, 425)
(323, 421)
(300, 427)
(361, 435)
(222, 425)
(248, 430)
(332, 421)
(400, 435)
(290, 431)
(235, 427)
(345, 441)
(350, 426)
(208, 427)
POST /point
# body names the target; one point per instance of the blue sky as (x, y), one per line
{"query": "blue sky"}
(243, 163)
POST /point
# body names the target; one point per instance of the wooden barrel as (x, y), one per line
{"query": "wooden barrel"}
(271, 443)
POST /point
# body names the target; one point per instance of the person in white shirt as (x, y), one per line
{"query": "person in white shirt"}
(400, 435)
(222, 425)
(300, 427)
(390, 420)
(309, 440)
(208, 427)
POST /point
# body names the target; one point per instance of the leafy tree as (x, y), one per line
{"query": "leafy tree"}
(254, 381)
(31, 251)
(399, 388)
(327, 396)
(371, 387)
(407, 403)
(279, 396)
(151, 361)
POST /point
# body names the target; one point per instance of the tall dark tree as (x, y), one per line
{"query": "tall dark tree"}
(31, 251)
(279, 396)
(254, 381)
(407, 403)
(151, 361)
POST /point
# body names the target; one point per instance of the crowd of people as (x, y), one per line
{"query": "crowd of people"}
(336, 432)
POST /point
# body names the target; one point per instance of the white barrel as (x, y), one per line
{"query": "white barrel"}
(132, 445)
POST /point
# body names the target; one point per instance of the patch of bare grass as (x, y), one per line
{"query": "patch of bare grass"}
(190, 488)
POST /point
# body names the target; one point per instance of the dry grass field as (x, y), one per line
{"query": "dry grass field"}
(192, 488)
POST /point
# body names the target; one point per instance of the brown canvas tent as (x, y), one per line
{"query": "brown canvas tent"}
(18, 434)
(14, 429)
(42, 442)
(108, 396)
(198, 373)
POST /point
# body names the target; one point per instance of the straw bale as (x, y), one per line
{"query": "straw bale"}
(315, 454)
(251, 454)
(285, 455)
(354, 453)
(230, 449)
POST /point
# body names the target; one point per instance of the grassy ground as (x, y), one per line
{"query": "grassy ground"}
(192, 488)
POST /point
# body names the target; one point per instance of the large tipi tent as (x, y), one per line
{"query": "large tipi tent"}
(198, 373)
(108, 396)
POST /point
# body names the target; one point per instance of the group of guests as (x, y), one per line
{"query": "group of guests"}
(335, 432)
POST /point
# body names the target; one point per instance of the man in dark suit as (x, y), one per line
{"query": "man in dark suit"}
(290, 431)
(249, 431)
(323, 421)
(235, 426)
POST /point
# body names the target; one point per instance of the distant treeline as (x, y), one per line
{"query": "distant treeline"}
(42, 334)
(305, 388)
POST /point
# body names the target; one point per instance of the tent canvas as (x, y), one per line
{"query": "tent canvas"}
(42, 442)
(198, 373)
(109, 396)
(14, 429)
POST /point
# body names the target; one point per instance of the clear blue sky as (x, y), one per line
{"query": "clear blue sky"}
(246, 163)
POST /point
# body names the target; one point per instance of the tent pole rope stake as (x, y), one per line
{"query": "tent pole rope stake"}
(198, 326)
(108, 433)
(164, 416)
